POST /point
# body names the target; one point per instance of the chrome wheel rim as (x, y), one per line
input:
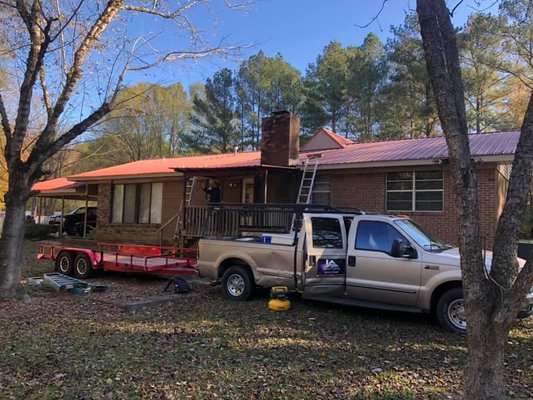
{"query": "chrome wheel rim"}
(235, 285)
(64, 264)
(456, 314)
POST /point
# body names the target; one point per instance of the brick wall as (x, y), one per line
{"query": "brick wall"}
(365, 190)
(361, 189)
(138, 233)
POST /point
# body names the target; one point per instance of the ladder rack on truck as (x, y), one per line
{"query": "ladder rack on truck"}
(82, 261)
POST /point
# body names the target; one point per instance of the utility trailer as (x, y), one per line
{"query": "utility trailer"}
(81, 262)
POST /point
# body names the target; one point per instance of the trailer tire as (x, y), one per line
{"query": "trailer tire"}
(238, 283)
(65, 263)
(450, 311)
(83, 266)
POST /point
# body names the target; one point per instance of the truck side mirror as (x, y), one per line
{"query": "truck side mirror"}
(399, 249)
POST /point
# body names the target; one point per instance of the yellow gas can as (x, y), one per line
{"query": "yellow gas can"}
(279, 299)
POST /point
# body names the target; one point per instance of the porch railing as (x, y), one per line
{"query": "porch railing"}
(230, 220)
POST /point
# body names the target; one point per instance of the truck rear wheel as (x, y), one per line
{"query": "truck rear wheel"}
(451, 311)
(65, 263)
(238, 283)
(82, 266)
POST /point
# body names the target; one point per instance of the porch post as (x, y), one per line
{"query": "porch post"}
(40, 209)
(86, 210)
(183, 210)
(265, 187)
(62, 216)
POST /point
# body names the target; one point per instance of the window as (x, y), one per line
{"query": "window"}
(376, 236)
(414, 191)
(137, 203)
(327, 233)
(321, 190)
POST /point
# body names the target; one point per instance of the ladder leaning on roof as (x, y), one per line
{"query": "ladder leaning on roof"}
(190, 184)
(305, 192)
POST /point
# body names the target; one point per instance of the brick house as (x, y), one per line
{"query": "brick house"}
(140, 201)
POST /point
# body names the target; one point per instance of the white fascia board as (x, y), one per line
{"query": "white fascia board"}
(409, 163)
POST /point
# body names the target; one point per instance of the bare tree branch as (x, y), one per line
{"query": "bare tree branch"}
(154, 11)
(75, 73)
(455, 8)
(5, 120)
(177, 55)
(41, 152)
(46, 95)
(40, 41)
(375, 16)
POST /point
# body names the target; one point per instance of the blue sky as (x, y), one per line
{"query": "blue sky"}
(297, 29)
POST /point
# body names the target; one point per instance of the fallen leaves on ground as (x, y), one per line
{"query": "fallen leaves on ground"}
(201, 346)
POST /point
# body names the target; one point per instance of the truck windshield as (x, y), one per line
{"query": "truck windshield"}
(421, 237)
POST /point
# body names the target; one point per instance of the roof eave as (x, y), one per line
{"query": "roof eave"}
(96, 179)
(408, 163)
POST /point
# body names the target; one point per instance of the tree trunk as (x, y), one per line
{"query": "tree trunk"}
(485, 367)
(11, 243)
(489, 318)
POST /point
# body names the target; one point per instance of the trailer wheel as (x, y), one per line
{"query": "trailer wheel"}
(238, 283)
(450, 311)
(65, 263)
(83, 266)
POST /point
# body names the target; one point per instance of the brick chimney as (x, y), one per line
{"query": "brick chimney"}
(280, 144)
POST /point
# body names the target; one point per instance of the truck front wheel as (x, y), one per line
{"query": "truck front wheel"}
(451, 311)
(237, 283)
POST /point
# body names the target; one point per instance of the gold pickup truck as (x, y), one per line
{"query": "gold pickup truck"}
(367, 260)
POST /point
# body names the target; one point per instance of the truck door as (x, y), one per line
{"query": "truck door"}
(325, 255)
(372, 273)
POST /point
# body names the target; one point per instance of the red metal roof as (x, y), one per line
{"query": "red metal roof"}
(166, 166)
(487, 144)
(57, 184)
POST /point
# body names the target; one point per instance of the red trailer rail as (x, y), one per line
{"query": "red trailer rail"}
(159, 260)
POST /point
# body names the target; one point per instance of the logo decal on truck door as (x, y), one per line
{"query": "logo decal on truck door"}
(330, 266)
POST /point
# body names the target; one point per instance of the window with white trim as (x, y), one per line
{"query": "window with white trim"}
(321, 190)
(137, 203)
(415, 191)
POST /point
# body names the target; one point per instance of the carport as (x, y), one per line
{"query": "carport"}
(64, 189)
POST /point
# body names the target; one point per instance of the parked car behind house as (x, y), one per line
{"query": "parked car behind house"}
(74, 220)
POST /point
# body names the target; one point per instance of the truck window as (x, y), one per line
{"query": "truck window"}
(327, 233)
(376, 236)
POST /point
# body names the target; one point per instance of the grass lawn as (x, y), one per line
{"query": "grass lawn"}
(201, 346)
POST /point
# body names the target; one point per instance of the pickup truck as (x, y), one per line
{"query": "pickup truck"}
(366, 260)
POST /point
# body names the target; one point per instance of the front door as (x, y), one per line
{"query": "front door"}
(248, 190)
(373, 274)
(325, 255)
